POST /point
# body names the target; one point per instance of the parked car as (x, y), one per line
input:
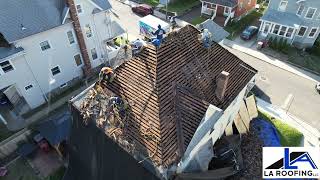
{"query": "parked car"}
(249, 32)
(318, 87)
(143, 9)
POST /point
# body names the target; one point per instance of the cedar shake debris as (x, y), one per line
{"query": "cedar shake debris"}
(166, 92)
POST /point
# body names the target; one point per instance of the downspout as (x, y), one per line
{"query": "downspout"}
(34, 76)
(80, 37)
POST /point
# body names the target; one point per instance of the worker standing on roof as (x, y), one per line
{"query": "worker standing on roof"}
(206, 37)
(106, 74)
(137, 46)
(159, 33)
(173, 22)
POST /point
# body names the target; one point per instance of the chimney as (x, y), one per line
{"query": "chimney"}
(222, 82)
(82, 45)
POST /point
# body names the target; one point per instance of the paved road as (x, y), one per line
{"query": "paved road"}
(281, 88)
(275, 84)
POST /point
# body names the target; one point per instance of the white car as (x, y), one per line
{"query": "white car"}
(318, 87)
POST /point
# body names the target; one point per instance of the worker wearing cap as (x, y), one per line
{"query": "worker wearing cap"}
(106, 73)
(159, 33)
(206, 36)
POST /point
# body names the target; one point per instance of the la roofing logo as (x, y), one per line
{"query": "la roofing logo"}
(291, 162)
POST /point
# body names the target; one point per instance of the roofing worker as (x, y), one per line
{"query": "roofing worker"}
(206, 37)
(137, 46)
(106, 73)
(159, 33)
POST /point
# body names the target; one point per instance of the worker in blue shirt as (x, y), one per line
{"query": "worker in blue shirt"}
(159, 33)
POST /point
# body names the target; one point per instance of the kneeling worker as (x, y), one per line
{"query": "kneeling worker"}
(137, 46)
(106, 73)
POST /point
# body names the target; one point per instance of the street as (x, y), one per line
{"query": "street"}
(286, 90)
(277, 86)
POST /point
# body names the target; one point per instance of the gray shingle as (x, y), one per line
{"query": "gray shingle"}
(8, 51)
(35, 15)
(104, 4)
(229, 3)
(284, 18)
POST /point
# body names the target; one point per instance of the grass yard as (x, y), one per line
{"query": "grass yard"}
(4, 132)
(20, 170)
(308, 61)
(57, 175)
(198, 20)
(151, 2)
(235, 28)
(181, 6)
(289, 136)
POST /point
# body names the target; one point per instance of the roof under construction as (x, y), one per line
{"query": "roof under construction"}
(170, 88)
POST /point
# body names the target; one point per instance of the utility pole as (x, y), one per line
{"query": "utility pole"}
(166, 9)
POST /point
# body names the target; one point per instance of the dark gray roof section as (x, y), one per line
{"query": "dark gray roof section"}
(104, 4)
(284, 18)
(8, 51)
(218, 33)
(229, 3)
(34, 15)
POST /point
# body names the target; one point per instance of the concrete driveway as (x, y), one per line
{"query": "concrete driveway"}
(246, 43)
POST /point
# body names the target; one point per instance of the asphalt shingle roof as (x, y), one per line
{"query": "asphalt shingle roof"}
(229, 3)
(34, 15)
(8, 51)
(283, 18)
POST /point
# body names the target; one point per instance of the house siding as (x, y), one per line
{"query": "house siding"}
(292, 7)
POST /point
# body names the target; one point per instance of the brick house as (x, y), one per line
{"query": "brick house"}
(224, 10)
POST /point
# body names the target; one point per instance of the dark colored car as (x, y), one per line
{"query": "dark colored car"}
(143, 9)
(318, 87)
(249, 32)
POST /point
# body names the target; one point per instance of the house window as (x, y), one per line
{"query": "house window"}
(45, 45)
(313, 32)
(302, 31)
(88, 31)
(6, 66)
(70, 37)
(276, 29)
(283, 30)
(94, 54)
(283, 5)
(79, 8)
(311, 12)
(289, 32)
(55, 70)
(300, 9)
(28, 87)
(77, 59)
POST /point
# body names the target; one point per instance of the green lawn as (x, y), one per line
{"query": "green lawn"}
(57, 175)
(198, 20)
(289, 136)
(181, 6)
(307, 60)
(20, 170)
(153, 3)
(4, 132)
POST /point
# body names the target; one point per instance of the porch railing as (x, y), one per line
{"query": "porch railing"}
(207, 11)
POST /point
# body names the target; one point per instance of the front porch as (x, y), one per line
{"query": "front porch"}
(218, 13)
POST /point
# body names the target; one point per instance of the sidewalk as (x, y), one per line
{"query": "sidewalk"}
(311, 135)
(273, 61)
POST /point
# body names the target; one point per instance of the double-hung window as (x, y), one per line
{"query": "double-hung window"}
(276, 29)
(45, 45)
(88, 30)
(300, 9)
(313, 32)
(283, 5)
(70, 37)
(77, 59)
(302, 31)
(55, 70)
(283, 30)
(310, 13)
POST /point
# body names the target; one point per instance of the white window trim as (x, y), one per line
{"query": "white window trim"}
(286, 1)
(314, 33)
(74, 37)
(46, 49)
(313, 13)
(55, 74)
(80, 59)
(81, 9)
(301, 11)
(278, 34)
(304, 32)
(85, 33)
(13, 68)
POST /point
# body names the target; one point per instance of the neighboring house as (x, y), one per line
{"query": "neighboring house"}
(181, 94)
(297, 21)
(48, 45)
(227, 8)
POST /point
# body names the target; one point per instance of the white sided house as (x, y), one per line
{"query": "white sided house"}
(48, 45)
